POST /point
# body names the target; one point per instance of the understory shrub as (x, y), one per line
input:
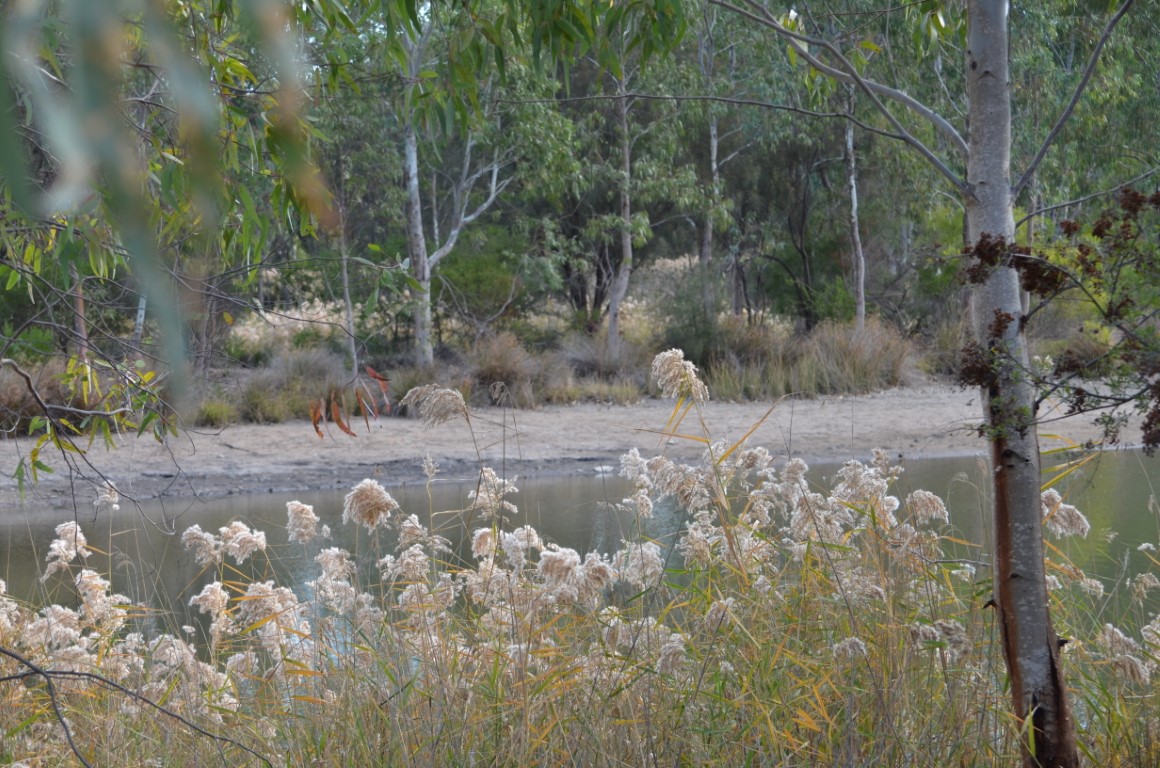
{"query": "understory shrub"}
(283, 390)
(215, 414)
(588, 355)
(18, 406)
(854, 362)
(500, 359)
(765, 361)
(944, 349)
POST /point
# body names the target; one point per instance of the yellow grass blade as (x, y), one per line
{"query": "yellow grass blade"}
(1069, 467)
(956, 540)
(681, 409)
(1067, 444)
(803, 718)
(664, 433)
(752, 429)
(304, 672)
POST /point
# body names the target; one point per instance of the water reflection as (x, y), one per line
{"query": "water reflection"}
(141, 548)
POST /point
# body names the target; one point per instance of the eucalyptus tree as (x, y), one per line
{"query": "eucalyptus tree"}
(977, 167)
(632, 178)
(464, 132)
(719, 133)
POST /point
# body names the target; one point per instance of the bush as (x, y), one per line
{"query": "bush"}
(588, 356)
(562, 386)
(18, 406)
(945, 346)
(502, 359)
(215, 414)
(855, 362)
(34, 344)
(284, 389)
(264, 402)
(1084, 354)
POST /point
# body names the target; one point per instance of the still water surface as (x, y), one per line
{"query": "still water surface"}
(141, 547)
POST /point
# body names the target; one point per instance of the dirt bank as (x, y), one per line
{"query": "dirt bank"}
(920, 421)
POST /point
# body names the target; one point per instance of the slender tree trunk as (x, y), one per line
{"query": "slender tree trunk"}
(705, 257)
(737, 270)
(417, 249)
(624, 271)
(855, 236)
(1030, 645)
(139, 324)
(80, 322)
(348, 308)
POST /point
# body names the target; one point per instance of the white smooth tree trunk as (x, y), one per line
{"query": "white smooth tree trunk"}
(705, 257)
(624, 271)
(417, 249)
(857, 256)
(1030, 645)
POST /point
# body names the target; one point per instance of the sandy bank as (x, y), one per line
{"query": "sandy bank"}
(929, 420)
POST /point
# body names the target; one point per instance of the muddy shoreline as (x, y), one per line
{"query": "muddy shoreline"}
(923, 421)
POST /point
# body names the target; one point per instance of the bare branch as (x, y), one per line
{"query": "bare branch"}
(1085, 198)
(849, 74)
(48, 685)
(736, 101)
(48, 674)
(1075, 97)
(461, 217)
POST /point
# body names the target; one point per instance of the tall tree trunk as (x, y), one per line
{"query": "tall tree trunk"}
(855, 236)
(737, 271)
(417, 249)
(1030, 645)
(624, 271)
(705, 257)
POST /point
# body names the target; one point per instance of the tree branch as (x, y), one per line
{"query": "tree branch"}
(51, 689)
(733, 100)
(1075, 97)
(48, 674)
(1085, 198)
(873, 89)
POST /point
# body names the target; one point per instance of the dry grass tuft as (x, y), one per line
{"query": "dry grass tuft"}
(856, 362)
(502, 359)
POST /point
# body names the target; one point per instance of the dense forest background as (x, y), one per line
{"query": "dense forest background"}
(429, 210)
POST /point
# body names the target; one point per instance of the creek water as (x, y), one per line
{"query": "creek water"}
(139, 548)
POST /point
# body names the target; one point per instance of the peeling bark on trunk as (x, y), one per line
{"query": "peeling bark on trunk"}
(1030, 645)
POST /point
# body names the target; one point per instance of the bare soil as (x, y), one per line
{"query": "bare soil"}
(928, 420)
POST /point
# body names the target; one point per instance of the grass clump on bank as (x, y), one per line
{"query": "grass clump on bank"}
(751, 618)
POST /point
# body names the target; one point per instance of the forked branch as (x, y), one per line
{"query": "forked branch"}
(1075, 97)
(847, 73)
